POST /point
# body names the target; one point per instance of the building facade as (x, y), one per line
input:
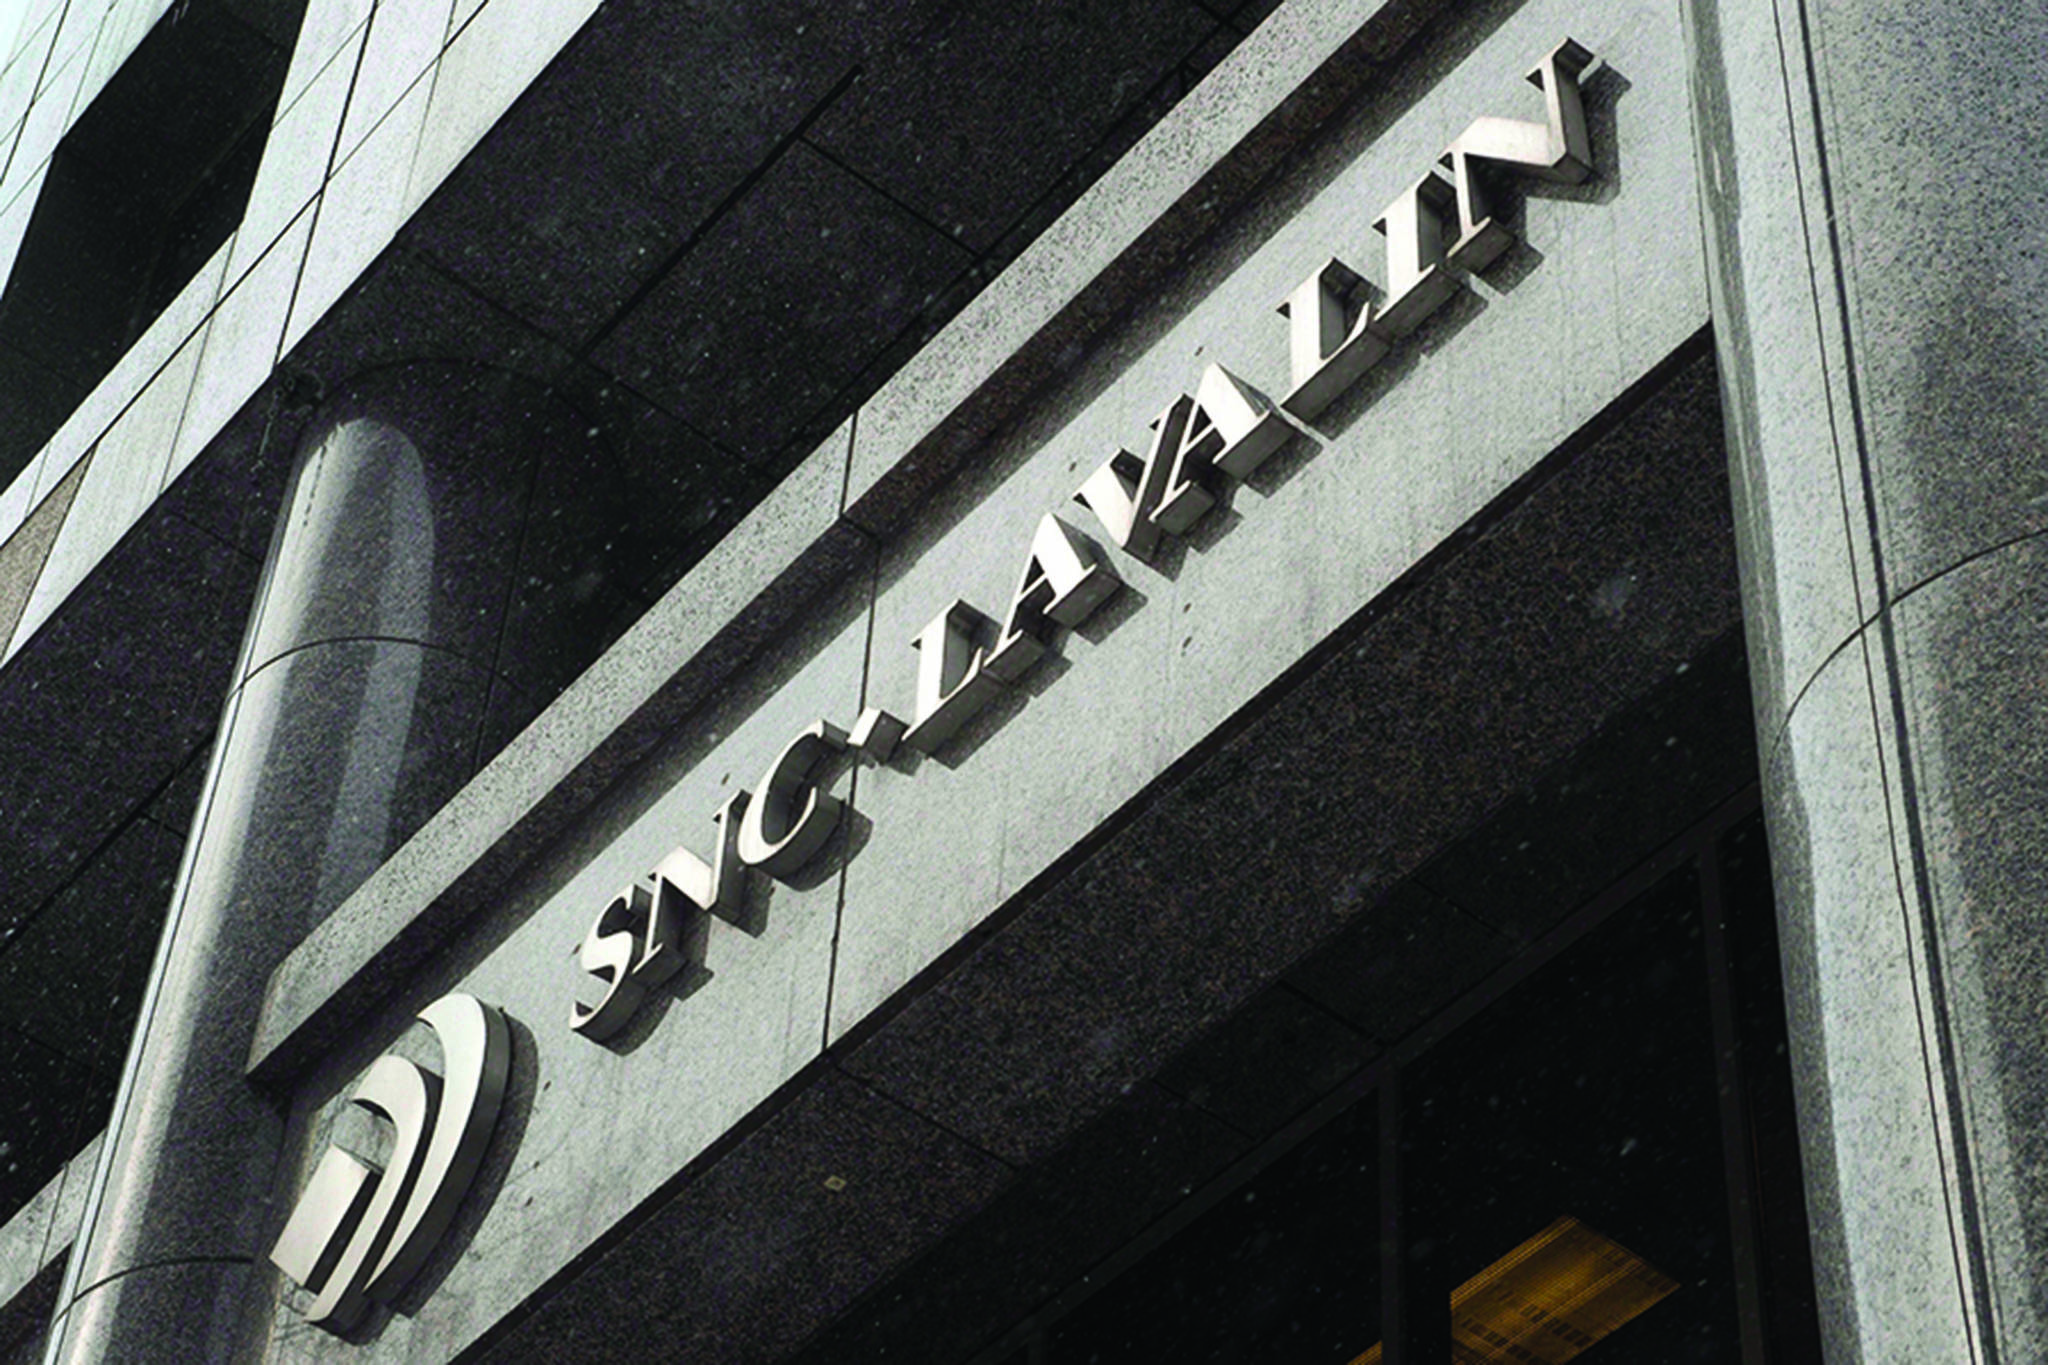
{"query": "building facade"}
(1132, 680)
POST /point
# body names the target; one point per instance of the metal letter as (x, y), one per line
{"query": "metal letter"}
(1061, 584)
(1123, 493)
(1557, 149)
(1229, 427)
(1418, 281)
(715, 886)
(609, 952)
(396, 1090)
(392, 1220)
(326, 1216)
(791, 820)
(476, 1052)
(951, 686)
(876, 734)
(1325, 357)
(1233, 412)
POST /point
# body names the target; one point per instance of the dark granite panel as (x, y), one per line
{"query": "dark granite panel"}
(406, 519)
(1252, 13)
(92, 731)
(1566, 604)
(34, 401)
(1681, 749)
(175, 804)
(687, 102)
(406, 308)
(72, 977)
(234, 489)
(774, 1239)
(75, 280)
(1206, 57)
(678, 492)
(1271, 1060)
(969, 141)
(25, 1319)
(1062, 1216)
(1046, 1024)
(781, 304)
(567, 597)
(49, 1107)
(1400, 961)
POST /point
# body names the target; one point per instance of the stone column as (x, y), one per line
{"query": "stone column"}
(373, 674)
(1877, 229)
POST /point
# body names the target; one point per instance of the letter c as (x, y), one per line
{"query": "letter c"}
(786, 825)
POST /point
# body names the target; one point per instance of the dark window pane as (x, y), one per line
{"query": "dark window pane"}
(1284, 1269)
(1587, 1092)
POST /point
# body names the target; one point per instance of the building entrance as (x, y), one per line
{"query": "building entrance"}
(1591, 1156)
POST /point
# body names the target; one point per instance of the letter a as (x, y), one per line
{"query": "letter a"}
(1059, 585)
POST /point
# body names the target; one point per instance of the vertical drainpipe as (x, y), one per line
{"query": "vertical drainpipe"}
(423, 529)
(1873, 205)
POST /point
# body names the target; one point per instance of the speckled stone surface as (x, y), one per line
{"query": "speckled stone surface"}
(1274, 1057)
(82, 753)
(1413, 723)
(1882, 334)
(1400, 960)
(1681, 748)
(1972, 659)
(676, 149)
(1046, 1226)
(1877, 1186)
(1087, 62)
(718, 337)
(171, 1312)
(766, 1239)
(1467, 580)
(674, 659)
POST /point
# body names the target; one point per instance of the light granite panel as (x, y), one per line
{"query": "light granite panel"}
(495, 57)
(1460, 411)
(48, 118)
(296, 160)
(1804, 524)
(325, 36)
(78, 27)
(41, 1232)
(360, 212)
(14, 220)
(1881, 343)
(1973, 649)
(18, 81)
(127, 470)
(591, 1130)
(126, 24)
(18, 498)
(241, 344)
(22, 556)
(404, 38)
(1879, 1187)
(176, 329)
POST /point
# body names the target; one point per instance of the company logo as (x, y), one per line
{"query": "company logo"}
(361, 1233)
(1439, 230)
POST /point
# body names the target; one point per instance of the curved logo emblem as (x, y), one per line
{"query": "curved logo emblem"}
(360, 1233)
